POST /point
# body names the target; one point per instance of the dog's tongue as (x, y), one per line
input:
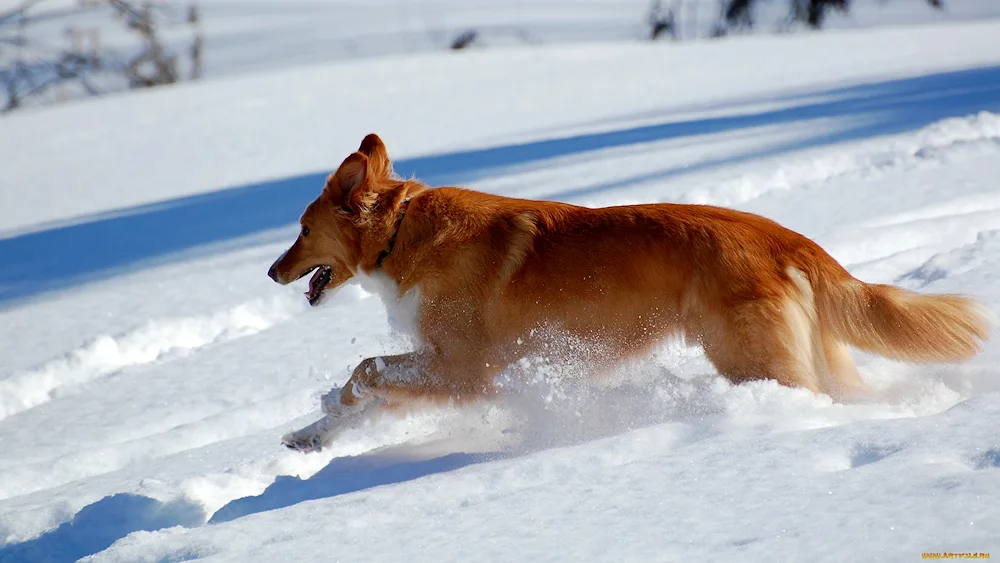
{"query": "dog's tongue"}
(317, 283)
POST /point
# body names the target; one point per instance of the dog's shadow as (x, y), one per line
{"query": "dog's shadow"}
(100, 524)
(345, 475)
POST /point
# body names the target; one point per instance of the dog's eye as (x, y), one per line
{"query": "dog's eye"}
(305, 231)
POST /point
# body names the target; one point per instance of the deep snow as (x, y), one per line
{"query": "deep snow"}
(148, 367)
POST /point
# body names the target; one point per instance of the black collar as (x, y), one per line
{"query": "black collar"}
(392, 240)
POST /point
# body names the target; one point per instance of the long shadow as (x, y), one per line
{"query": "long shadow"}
(95, 247)
(104, 522)
(342, 476)
(99, 525)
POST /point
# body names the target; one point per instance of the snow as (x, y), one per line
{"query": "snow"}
(148, 367)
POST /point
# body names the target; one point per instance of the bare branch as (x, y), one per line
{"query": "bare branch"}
(30, 69)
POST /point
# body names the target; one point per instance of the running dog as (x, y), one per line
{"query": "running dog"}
(478, 279)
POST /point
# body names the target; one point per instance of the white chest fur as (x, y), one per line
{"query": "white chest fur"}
(401, 309)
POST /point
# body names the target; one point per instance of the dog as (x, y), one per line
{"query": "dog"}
(480, 281)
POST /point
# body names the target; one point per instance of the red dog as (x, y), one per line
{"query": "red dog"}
(481, 279)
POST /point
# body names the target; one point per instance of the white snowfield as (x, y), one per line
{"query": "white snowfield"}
(148, 366)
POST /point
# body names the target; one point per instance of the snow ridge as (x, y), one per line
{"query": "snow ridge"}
(154, 341)
(940, 142)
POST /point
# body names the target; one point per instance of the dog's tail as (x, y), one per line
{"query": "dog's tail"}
(901, 324)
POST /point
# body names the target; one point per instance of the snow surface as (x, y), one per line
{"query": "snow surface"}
(148, 367)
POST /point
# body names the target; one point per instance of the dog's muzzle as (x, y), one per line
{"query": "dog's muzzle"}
(273, 273)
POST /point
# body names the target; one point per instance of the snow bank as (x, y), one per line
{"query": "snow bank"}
(156, 340)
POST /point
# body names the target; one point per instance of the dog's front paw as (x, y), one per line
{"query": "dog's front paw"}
(312, 438)
(304, 444)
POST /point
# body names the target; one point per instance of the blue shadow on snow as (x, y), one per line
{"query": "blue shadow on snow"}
(99, 525)
(104, 522)
(60, 257)
(342, 476)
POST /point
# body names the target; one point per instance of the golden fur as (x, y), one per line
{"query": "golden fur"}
(495, 274)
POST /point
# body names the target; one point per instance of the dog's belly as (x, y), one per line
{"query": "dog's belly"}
(599, 327)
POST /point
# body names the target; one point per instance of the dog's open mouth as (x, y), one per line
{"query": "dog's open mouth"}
(317, 283)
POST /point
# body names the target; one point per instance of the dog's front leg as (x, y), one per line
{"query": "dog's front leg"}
(372, 378)
(316, 436)
(351, 404)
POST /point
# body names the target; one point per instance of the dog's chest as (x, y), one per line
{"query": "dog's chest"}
(402, 310)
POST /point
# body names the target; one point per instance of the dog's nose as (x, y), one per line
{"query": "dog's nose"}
(271, 273)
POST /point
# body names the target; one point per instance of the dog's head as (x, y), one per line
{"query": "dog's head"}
(330, 238)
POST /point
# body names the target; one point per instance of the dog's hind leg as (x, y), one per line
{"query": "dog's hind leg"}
(765, 339)
(846, 383)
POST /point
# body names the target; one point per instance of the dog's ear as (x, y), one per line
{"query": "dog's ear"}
(346, 185)
(378, 157)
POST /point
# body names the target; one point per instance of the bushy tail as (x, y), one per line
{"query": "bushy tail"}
(904, 325)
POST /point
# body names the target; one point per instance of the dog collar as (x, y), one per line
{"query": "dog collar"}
(392, 240)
